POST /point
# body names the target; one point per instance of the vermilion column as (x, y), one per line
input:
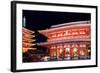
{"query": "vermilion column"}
(78, 50)
(58, 53)
(71, 52)
(51, 53)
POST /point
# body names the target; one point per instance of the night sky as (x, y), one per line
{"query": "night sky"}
(39, 20)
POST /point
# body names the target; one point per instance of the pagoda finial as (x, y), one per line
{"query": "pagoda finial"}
(24, 22)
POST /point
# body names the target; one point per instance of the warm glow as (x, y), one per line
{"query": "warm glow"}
(27, 41)
(89, 50)
(67, 49)
(75, 50)
(74, 32)
(82, 52)
(26, 49)
(61, 50)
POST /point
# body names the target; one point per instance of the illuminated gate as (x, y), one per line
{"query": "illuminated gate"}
(72, 41)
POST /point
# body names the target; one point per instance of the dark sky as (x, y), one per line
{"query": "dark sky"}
(38, 20)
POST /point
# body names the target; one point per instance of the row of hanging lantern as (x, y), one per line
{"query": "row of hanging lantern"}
(69, 50)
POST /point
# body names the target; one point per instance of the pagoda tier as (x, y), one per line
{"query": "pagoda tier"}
(28, 40)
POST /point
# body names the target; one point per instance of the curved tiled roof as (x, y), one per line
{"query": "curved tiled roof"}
(66, 25)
